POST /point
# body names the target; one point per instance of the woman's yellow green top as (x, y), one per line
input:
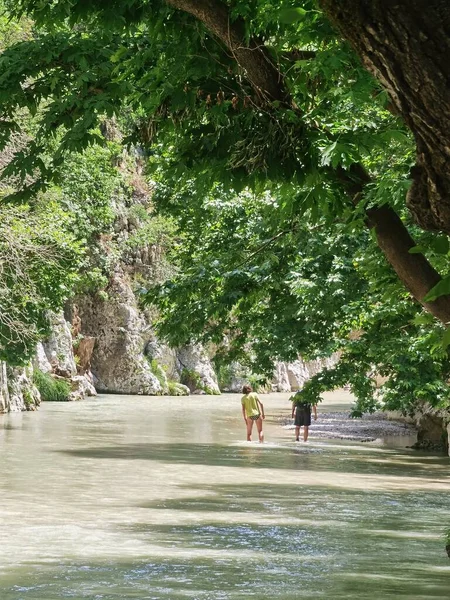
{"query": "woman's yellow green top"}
(250, 403)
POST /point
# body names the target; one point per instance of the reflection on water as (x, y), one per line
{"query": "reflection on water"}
(154, 498)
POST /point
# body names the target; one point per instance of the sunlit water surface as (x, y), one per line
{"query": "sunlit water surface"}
(155, 498)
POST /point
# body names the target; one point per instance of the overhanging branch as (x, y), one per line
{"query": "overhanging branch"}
(253, 58)
(392, 236)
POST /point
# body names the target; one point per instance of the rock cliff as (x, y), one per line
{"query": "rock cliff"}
(55, 357)
(121, 334)
(433, 427)
(17, 391)
(287, 377)
(127, 357)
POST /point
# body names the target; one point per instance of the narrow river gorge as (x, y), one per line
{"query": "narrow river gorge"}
(152, 498)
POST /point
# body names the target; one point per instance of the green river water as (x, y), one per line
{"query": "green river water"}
(161, 498)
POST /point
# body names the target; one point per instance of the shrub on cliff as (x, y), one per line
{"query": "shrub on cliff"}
(51, 389)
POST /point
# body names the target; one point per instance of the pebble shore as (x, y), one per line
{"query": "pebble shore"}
(340, 425)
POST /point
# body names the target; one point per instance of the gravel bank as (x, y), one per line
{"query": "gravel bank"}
(340, 425)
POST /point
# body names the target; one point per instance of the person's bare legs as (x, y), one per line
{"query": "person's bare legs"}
(305, 433)
(249, 429)
(297, 434)
(259, 426)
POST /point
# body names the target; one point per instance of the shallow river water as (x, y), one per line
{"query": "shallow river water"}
(161, 498)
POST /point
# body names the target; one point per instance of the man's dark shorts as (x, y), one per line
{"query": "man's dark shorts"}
(302, 416)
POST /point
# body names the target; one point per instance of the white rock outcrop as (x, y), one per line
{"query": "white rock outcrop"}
(432, 427)
(17, 391)
(40, 360)
(81, 387)
(237, 376)
(299, 371)
(287, 377)
(118, 363)
(58, 346)
(164, 364)
(196, 370)
(281, 381)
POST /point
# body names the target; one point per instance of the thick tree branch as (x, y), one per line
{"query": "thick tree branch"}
(393, 238)
(413, 270)
(406, 45)
(253, 58)
(297, 54)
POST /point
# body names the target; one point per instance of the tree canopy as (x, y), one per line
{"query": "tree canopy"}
(276, 151)
(260, 292)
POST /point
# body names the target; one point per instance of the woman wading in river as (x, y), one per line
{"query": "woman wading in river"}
(253, 412)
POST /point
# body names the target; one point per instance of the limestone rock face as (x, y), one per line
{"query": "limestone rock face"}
(196, 370)
(433, 428)
(165, 356)
(58, 346)
(236, 377)
(55, 356)
(81, 387)
(17, 391)
(299, 371)
(281, 378)
(288, 377)
(118, 362)
(40, 360)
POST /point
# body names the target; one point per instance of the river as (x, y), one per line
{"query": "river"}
(161, 498)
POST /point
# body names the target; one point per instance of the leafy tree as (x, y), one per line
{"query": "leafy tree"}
(405, 44)
(232, 97)
(260, 293)
(241, 92)
(39, 261)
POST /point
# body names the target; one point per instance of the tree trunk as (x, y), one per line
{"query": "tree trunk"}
(406, 46)
(393, 237)
(413, 270)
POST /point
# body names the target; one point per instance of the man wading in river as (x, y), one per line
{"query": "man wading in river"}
(301, 410)
(253, 411)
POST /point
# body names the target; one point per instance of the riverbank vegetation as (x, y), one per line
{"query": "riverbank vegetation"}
(51, 389)
(281, 168)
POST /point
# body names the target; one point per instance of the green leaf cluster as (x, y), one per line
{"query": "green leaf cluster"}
(51, 389)
(271, 251)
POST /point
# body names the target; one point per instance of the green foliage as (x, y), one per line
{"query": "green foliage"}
(200, 115)
(67, 233)
(272, 256)
(299, 398)
(153, 230)
(40, 260)
(309, 290)
(51, 389)
(175, 389)
(90, 183)
(242, 279)
(27, 398)
(210, 391)
(192, 379)
(447, 536)
(158, 372)
(224, 374)
(89, 194)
